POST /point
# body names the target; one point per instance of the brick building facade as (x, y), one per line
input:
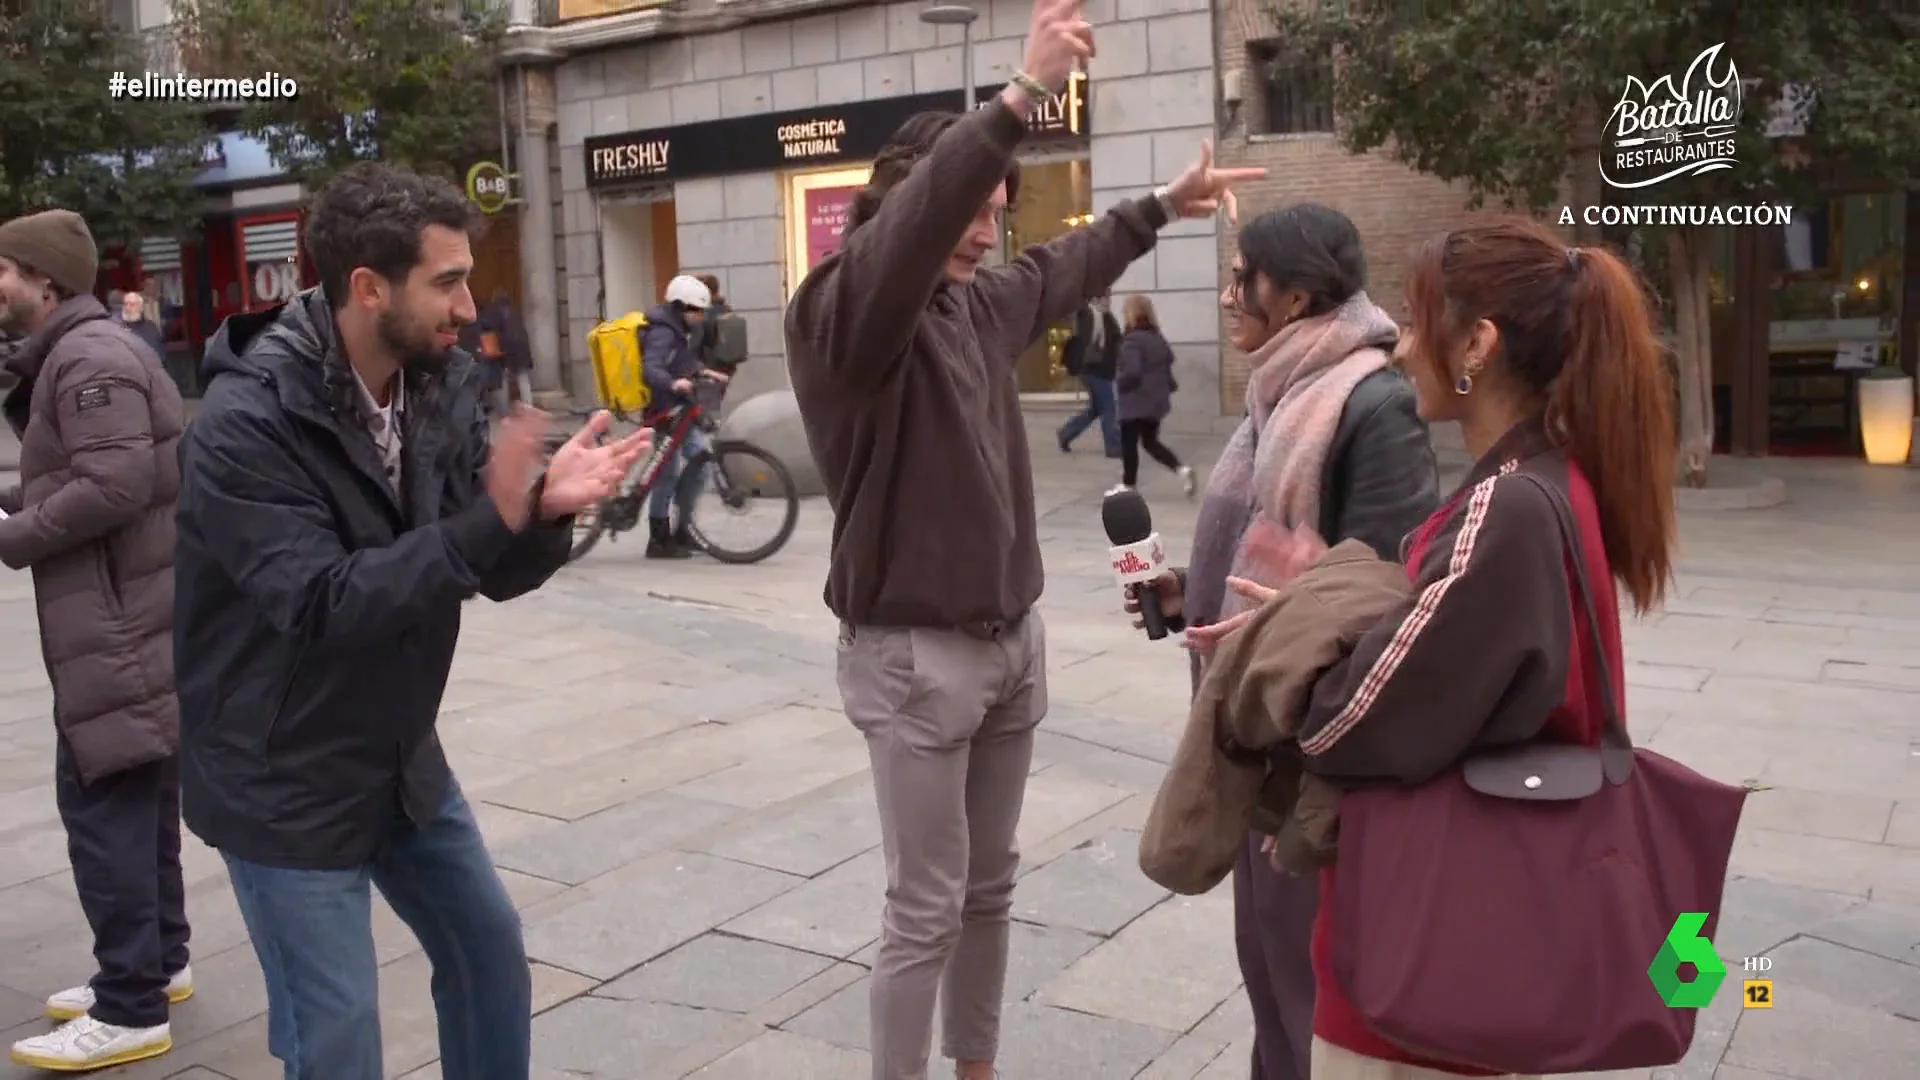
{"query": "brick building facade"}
(1288, 129)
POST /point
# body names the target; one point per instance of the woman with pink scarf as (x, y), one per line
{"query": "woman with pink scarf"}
(1331, 448)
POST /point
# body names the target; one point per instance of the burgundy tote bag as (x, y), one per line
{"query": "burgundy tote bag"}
(1503, 916)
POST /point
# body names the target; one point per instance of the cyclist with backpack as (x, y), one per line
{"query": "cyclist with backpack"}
(1092, 353)
(671, 365)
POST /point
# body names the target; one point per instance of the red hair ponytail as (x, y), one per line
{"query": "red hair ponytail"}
(1577, 330)
(1612, 408)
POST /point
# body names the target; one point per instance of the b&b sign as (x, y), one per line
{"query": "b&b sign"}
(489, 186)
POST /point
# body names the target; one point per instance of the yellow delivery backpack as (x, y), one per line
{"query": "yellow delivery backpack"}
(614, 348)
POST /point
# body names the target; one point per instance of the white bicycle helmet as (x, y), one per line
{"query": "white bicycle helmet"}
(689, 292)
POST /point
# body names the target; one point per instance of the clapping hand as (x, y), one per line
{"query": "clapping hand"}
(583, 473)
(1203, 190)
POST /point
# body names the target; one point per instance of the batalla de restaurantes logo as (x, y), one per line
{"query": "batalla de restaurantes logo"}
(1661, 131)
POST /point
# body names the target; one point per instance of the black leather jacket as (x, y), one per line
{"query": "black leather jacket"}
(1382, 478)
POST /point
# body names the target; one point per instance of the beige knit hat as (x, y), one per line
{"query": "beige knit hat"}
(56, 243)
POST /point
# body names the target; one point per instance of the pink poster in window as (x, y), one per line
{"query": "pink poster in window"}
(826, 220)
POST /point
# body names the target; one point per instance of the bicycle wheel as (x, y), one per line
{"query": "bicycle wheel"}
(588, 526)
(739, 481)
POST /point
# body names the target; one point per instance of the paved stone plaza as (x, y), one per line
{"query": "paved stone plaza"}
(684, 817)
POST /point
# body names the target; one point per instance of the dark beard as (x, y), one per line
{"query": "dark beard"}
(424, 356)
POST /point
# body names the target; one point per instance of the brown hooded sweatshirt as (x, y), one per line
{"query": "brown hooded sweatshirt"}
(908, 393)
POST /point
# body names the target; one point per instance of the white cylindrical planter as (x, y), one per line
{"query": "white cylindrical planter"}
(1886, 417)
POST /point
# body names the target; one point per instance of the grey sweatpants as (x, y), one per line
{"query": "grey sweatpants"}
(949, 716)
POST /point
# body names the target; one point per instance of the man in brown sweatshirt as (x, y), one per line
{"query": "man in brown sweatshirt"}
(902, 348)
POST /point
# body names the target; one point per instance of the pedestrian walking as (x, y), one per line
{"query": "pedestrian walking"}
(339, 504)
(1145, 383)
(1543, 354)
(1092, 354)
(99, 424)
(1331, 449)
(902, 346)
(505, 351)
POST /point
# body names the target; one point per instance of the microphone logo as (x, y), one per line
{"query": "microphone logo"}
(1131, 563)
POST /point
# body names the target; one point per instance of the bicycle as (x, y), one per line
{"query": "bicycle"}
(741, 474)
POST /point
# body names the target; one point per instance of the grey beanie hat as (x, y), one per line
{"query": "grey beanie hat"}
(56, 243)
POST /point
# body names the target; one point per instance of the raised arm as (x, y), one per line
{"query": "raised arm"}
(855, 314)
(1047, 282)
(858, 308)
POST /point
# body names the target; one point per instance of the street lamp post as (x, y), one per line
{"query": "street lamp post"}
(962, 16)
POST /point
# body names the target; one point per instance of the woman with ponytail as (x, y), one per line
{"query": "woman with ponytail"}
(1546, 356)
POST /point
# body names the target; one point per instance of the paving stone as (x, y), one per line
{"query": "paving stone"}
(782, 1055)
(1186, 942)
(807, 840)
(613, 933)
(761, 782)
(841, 1020)
(1039, 1043)
(835, 914)
(717, 971)
(598, 843)
(1096, 887)
(618, 1040)
(1810, 1035)
(1848, 976)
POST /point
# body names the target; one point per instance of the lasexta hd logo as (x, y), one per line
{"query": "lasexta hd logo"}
(1686, 945)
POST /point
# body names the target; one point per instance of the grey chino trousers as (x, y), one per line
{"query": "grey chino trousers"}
(949, 717)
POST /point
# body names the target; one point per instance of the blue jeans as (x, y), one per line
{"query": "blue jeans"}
(666, 494)
(313, 933)
(1101, 406)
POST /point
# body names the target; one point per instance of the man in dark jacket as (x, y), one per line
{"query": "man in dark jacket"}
(671, 363)
(99, 424)
(1093, 354)
(339, 502)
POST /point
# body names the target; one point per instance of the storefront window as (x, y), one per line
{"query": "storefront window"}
(816, 207)
(1841, 260)
(1054, 196)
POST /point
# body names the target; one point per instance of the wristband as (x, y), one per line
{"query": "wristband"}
(1164, 196)
(1031, 85)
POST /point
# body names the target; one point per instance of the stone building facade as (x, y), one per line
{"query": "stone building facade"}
(631, 217)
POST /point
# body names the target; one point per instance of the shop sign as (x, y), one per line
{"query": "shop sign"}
(801, 138)
(274, 282)
(489, 187)
(827, 210)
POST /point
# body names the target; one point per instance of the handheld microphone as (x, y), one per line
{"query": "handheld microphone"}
(1136, 555)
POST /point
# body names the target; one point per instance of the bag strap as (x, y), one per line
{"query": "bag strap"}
(1616, 746)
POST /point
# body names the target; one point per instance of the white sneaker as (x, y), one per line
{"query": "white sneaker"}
(77, 1002)
(1118, 488)
(1187, 480)
(86, 1044)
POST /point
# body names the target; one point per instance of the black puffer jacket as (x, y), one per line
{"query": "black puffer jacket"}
(317, 609)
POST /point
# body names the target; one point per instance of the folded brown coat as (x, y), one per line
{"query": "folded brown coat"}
(1223, 779)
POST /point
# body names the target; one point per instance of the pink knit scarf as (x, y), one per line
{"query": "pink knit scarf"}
(1269, 474)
